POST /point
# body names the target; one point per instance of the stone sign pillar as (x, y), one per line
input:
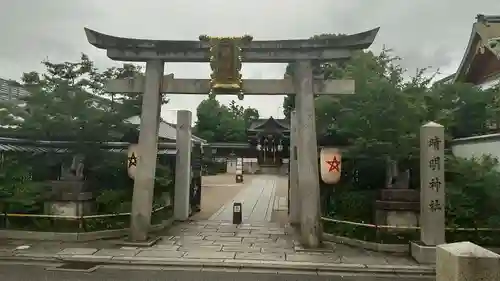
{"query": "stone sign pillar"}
(432, 193)
(142, 200)
(432, 184)
(182, 166)
(294, 173)
(307, 155)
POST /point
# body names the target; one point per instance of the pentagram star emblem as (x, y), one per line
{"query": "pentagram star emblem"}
(132, 160)
(334, 164)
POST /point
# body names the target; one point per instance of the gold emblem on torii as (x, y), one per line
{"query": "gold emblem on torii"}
(225, 62)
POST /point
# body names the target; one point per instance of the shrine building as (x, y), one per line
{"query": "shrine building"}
(480, 64)
(267, 150)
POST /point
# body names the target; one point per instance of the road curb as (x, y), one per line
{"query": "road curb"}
(401, 270)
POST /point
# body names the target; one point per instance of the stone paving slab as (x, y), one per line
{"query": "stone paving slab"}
(116, 253)
(243, 249)
(209, 255)
(301, 257)
(78, 251)
(160, 254)
(212, 248)
(261, 256)
(257, 199)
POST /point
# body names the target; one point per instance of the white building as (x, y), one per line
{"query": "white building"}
(9, 92)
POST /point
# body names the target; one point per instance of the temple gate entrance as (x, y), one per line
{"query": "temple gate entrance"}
(226, 56)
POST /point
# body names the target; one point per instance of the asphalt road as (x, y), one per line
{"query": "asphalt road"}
(38, 272)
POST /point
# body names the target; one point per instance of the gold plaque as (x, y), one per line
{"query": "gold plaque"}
(225, 62)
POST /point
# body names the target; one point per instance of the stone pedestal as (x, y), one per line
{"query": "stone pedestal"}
(397, 207)
(423, 253)
(69, 198)
(465, 261)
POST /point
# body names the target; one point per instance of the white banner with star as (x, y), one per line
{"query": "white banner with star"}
(132, 158)
(330, 164)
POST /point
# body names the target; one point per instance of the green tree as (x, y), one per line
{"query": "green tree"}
(220, 123)
(382, 119)
(69, 102)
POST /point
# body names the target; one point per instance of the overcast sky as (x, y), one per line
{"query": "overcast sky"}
(423, 32)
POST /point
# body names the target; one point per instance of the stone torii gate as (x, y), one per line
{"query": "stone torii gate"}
(302, 53)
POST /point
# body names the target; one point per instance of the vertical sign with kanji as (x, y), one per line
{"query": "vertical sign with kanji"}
(432, 183)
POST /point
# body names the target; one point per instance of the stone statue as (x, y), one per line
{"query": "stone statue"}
(75, 171)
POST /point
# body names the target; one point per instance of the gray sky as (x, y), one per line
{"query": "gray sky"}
(423, 32)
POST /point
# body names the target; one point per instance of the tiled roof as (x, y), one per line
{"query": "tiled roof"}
(259, 124)
(21, 145)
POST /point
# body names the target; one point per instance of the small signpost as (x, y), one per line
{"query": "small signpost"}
(237, 214)
(239, 170)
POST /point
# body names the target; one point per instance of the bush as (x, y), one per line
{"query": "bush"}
(472, 193)
(472, 196)
(214, 168)
(18, 192)
(106, 176)
(355, 205)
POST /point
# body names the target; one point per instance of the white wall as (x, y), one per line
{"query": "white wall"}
(477, 146)
(490, 83)
(250, 166)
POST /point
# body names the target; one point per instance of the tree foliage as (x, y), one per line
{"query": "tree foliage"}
(381, 122)
(383, 117)
(68, 102)
(220, 123)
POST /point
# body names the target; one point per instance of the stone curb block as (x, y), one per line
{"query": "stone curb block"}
(388, 248)
(232, 263)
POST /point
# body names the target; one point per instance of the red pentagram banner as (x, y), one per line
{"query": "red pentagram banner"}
(334, 165)
(330, 165)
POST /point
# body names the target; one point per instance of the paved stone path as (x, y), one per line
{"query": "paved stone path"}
(215, 242)
(257, 199)
(280, 203)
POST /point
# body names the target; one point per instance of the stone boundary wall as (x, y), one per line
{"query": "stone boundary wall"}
(75, 236)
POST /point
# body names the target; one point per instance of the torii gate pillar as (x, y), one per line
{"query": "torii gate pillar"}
(307, 150)
(142, 200)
